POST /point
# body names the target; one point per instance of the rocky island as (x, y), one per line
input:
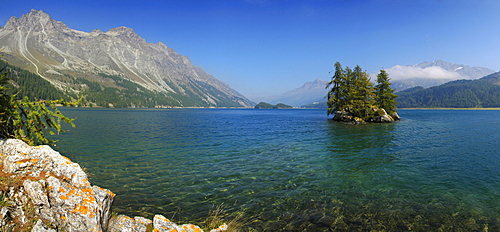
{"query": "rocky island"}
(41, 190)
(353, 98)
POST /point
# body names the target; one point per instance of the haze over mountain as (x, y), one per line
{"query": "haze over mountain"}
(425, 74)
(116, 60)
(428, 74)
(312, 91)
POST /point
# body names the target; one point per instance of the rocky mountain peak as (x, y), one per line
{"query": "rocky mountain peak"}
(35, 20)
(96, 31)
(55, 51)
(465, 71)
(121, 30)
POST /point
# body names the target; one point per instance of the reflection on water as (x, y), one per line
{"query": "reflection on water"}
(293, 170)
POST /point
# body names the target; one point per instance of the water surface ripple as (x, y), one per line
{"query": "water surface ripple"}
(294, 170)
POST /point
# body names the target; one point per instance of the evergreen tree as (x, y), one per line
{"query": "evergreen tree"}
(363, 94)
(5, 106)
(384, 94)
(352, 92)
(337, 94)
(28, 120)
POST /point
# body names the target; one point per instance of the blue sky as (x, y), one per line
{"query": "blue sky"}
(267, 47)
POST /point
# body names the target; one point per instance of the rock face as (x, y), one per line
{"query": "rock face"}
(56, 189)
(51, 49)
(41, 190)
(381, 116)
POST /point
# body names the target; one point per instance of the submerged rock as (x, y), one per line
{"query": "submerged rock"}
(42, 190)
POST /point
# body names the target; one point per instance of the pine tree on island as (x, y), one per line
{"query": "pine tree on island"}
(353, 98)
(384, 94)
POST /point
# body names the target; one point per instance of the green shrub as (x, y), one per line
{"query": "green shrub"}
(29, 120)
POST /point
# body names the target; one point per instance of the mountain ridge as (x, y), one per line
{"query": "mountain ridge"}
(433, 73)
(313, 92)
(61, 55)
(309, 92)
(478, 93)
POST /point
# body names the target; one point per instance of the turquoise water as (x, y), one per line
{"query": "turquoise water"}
(294, 170)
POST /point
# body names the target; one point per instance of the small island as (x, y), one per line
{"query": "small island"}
(265, 105)
(353, 98)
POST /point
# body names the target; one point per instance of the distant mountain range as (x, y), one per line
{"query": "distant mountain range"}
(312, 91)
(426, 74)
(116, 67)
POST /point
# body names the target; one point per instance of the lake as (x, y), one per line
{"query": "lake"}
(295, 170)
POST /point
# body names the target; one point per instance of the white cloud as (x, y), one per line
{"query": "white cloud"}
(400, 72)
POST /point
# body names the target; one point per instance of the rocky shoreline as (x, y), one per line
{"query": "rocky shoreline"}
(381, 116)
(41, 190)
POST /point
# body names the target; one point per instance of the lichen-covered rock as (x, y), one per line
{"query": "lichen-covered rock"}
(40, 227)
(57, 188)
(160, 223)
(123, 223)
(53, 194)
(221, 228)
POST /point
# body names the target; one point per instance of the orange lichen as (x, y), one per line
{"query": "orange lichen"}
(156, 230)
(87, 190)
(22, 161)
(91, 199)
(63, 217)
(61, 189)
(70, 193)
(64, 197)
(82, 209)
(105, 190)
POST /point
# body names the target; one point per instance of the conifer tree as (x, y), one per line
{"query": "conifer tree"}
(353, 92)
(337, 94)
(363, 94)
(28, 120)
(384, 94)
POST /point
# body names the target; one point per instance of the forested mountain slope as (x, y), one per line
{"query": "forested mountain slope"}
(484, 92)
(113, 68)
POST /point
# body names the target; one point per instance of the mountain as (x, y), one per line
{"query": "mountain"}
(484, 92)
(312, 91)
(425, 74)
(117, 64)
(465, 71)
(399, 85)
(428, 74)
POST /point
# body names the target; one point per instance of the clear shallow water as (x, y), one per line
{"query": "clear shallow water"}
(294, 170)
